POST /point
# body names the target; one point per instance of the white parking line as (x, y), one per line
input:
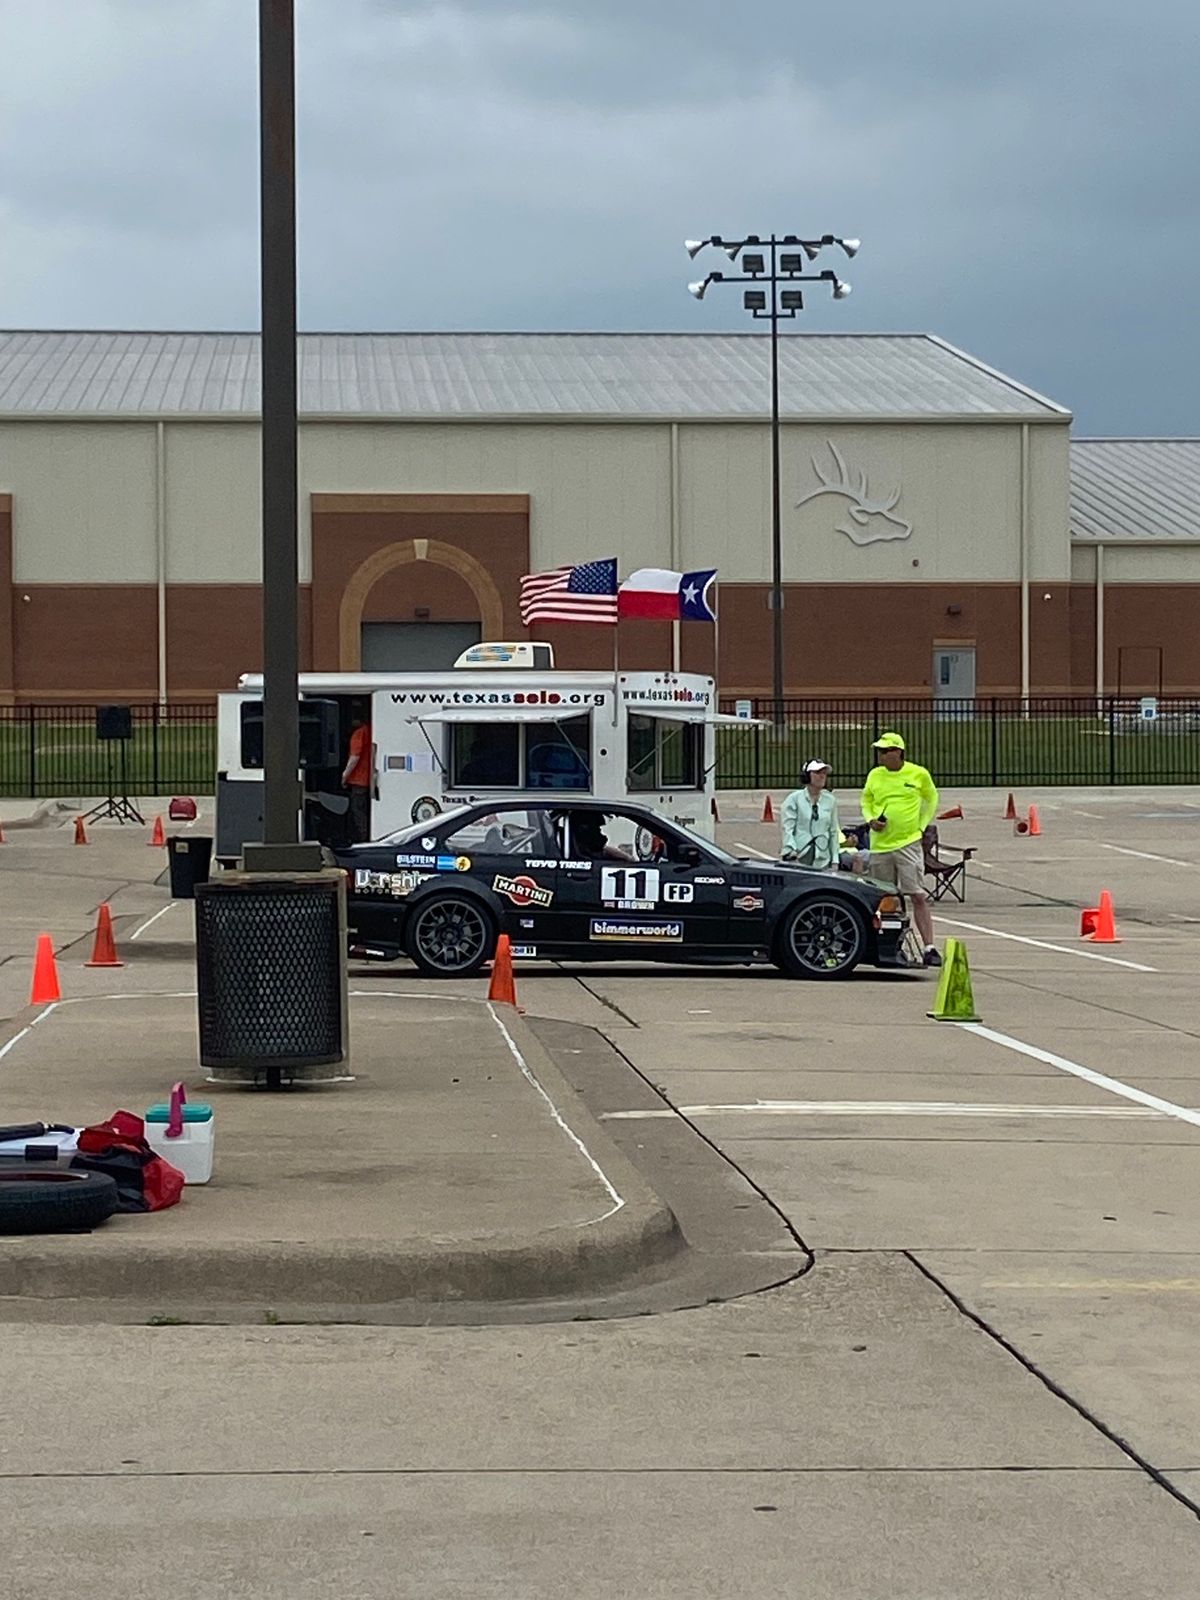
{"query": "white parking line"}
(1041, 944)
(877, 1108)
(1099, 1079)
(150, 921)
(762, 854)
(531, 1078)
(1145, 855)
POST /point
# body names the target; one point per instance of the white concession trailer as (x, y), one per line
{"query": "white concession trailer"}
(502, 723)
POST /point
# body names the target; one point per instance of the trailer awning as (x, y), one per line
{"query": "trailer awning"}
(506, 714)
(711, 719)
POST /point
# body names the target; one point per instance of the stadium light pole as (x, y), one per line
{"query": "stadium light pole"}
(280, 499)
(771, 299)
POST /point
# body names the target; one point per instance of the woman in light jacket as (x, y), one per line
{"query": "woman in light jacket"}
(811, 834)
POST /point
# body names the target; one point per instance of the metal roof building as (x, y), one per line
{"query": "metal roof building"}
(1135, 490)
(939, 534)
(509, 376)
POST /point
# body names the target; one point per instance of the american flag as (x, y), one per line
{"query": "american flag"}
(586, 593)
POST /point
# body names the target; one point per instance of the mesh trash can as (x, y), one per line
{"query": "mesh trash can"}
(189, 860)
(271, 976)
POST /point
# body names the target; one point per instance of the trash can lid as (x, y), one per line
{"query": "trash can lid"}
(192, 1112)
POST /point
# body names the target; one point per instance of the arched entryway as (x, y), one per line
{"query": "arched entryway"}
(380, 562)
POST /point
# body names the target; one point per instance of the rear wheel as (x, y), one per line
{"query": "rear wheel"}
(451, 936)
(822, 937)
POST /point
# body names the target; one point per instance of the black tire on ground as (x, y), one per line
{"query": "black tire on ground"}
(823, 937)
(53, 1199)
(451, 935)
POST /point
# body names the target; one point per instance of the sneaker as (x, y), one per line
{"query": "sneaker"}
(932, 957)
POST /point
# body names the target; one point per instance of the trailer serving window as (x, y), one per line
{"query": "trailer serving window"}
(664, 754)
(537, 754)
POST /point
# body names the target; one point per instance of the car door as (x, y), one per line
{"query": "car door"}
(631, 907)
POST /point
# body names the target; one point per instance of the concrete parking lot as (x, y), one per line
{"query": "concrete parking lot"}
(982, 1385)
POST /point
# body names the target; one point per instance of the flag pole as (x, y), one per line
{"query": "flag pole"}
(717, 642)
(616, 665)
(675, 645)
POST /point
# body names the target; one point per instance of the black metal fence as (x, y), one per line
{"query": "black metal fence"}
(990, 741)
(54, 751)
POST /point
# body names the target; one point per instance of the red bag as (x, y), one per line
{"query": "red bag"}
(118, 1147)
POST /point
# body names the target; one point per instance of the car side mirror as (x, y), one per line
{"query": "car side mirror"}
(690, 856)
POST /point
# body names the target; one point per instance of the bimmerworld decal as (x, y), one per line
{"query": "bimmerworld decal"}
(636, 930)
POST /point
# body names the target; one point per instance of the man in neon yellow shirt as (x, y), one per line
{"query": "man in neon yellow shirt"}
(899, 801)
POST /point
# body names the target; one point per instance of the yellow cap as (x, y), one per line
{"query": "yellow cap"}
(888, 741)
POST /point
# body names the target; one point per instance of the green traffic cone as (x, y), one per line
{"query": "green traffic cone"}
(955, 1002)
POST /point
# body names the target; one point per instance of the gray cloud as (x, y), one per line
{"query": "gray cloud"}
(1022, 175)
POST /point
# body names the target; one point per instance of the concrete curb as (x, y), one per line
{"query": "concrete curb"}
(347, 1279)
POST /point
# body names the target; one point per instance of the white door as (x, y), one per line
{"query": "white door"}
(954, 672)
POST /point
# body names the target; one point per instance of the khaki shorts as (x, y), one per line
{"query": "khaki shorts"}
(904, 867)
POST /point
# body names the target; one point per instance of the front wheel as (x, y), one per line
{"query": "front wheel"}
(822, 937)
(451, 936)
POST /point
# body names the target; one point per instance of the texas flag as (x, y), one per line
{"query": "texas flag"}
(669, 596)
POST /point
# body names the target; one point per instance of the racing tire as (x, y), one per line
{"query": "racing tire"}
(822, 937)
(451, 936)
(53, 1199)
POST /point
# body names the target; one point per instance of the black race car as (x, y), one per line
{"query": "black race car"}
(593, 880)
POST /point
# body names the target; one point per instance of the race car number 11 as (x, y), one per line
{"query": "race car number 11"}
(629, 883)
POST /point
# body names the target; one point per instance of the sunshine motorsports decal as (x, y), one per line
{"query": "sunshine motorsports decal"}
(636, 930)
(396, 884)
(746, 901)
(522, 891)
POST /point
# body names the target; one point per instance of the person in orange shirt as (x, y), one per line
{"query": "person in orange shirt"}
(358, 777)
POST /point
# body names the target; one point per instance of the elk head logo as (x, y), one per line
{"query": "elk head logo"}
(866, 521)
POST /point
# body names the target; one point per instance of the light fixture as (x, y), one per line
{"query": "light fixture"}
(841, 290)
(699, 288)
(791, 263)
(812, 251)
(791, 299)
(754, 264)
(731, 250)
(755, 300)
(851, 246)
(694, 246)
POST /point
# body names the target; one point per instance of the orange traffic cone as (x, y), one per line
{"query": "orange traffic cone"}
(1010, 810)
(1035, 827)
(953, 815)
(768, 811)
(104, 951)
(158, 838)
(44, 990)
(503, 986)
(80, 831)
(1105, 931)
(1020, 826)
(1087, 921)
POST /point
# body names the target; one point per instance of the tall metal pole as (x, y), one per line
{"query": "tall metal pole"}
(776, 506)
(280, 569)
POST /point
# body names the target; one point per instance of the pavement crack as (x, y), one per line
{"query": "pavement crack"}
(610, 1005)
(1054, 1387)
(752, 1183)
(563, 1472)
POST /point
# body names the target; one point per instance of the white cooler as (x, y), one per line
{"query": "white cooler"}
(183, 1135)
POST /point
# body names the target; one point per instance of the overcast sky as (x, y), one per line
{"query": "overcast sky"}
(1023, 173)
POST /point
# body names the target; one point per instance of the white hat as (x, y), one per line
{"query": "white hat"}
(815, 766)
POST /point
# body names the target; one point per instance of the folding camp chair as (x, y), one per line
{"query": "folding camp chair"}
(946, 867)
